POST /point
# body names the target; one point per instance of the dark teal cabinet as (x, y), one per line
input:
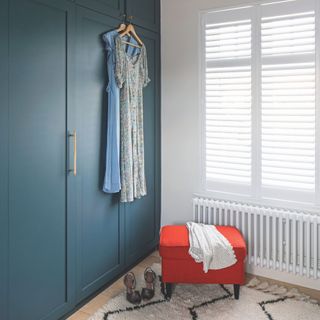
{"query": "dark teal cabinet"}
(4, 160)
(37, 131)
(145, 13)
(99, 215)
(110, 235)
(61, 237)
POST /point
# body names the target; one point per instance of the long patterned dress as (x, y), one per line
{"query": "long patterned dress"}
(131, 73)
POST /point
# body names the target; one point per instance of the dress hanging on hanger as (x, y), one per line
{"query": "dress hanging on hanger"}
(112, 181)
(131, 74)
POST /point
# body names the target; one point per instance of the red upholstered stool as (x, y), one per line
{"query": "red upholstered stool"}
(179, 267)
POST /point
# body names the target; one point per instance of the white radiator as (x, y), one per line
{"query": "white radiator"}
(276, 239)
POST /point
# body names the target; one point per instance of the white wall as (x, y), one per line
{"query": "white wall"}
(180, 104)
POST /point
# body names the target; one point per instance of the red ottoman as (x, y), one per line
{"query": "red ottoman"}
(179, 267)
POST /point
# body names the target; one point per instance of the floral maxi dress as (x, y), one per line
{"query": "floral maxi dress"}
(131, 73)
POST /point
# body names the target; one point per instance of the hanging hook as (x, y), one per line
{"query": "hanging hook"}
(123, 18)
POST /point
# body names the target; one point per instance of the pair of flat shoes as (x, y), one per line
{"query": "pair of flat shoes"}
(147, 293)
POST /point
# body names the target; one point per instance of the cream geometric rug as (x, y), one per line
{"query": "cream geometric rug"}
(208, 302)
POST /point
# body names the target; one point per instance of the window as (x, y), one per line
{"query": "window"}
(259, 97)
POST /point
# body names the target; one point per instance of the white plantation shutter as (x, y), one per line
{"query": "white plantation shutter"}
(288, 95)
(228, 100)
(288, 126)
(228, 122)
(260, 101)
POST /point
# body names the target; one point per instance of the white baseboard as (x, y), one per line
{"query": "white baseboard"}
(284, 276)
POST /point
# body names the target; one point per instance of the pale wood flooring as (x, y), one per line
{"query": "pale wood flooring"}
(101, 299)
(97, 302)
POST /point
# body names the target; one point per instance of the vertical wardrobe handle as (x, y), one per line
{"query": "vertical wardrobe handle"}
(74, 136)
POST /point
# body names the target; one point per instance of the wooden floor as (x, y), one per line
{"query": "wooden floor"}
(92, 306)
(101, 299)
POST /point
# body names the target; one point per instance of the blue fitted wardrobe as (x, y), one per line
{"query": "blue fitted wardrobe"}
(61, 238)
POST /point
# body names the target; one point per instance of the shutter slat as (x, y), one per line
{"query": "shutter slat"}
(284, 36)
(220, 159)
(275, 183)
(287, 178)
(282, 132)
(286, 105)
(288, 164)
(228, 165)
(286, 30)
(227, 153)
(287, 151)
(288, 138)
(284, 112)
(287, 144)
(296, 158)
(288, 173)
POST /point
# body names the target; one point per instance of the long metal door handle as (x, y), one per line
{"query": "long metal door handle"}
(74, 135)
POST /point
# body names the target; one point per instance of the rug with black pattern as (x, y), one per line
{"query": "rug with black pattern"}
(206, 302)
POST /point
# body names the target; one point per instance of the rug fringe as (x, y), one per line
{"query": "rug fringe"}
(281, 291)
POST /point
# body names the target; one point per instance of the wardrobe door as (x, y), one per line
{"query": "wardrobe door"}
(3, 159)
(38, 257)
(142, 215)
(111, 7)
(146, 13)
(99, 218)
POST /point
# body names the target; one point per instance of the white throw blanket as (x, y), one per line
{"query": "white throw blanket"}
(209, 246)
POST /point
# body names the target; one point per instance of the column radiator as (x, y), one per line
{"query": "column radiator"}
(276, 239)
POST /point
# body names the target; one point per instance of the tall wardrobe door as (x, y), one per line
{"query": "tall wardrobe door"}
(37, 159)
(99, 225)
(142, 216)
(4, 159)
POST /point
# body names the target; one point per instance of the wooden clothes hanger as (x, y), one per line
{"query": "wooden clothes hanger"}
(121, 27)
(130, 31)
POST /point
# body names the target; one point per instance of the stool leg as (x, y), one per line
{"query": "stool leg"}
(169, 290)
(236, 289)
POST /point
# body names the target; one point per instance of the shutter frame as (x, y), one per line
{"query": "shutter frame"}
(219, 116)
